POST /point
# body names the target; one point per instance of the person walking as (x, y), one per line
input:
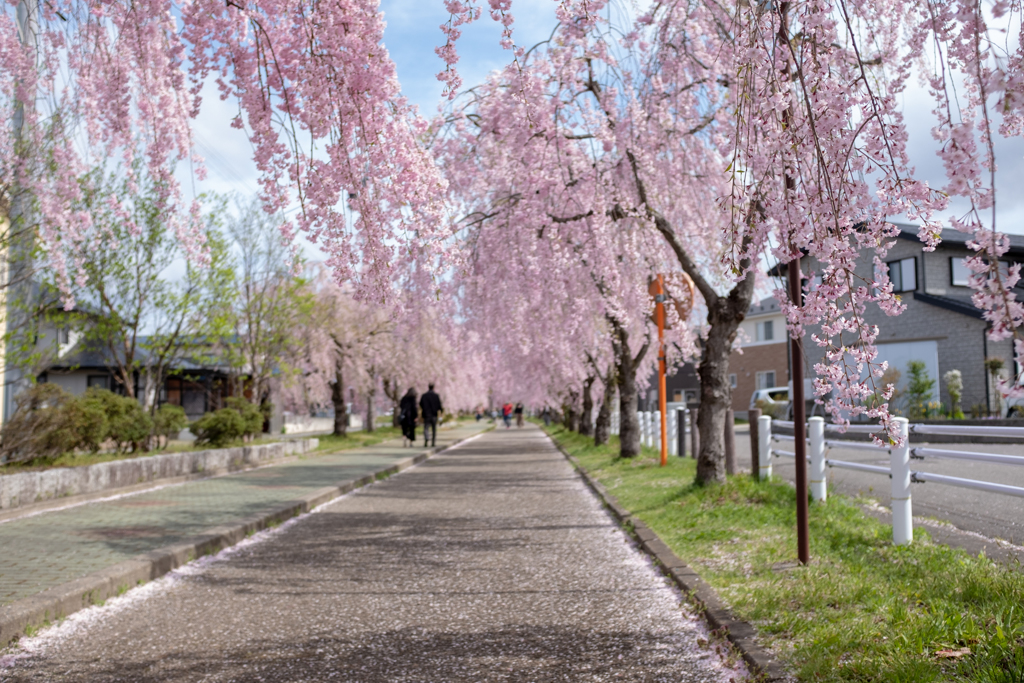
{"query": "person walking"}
(506, 415)
(407, 417)
(519, 414)
(430, 409)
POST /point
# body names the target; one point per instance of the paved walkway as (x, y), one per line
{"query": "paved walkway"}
(491, 562)
(51, 548)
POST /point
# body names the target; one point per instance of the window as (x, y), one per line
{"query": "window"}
(765, 331)
(732, 380)
(959, 271)
(766, 379)
(63, 335)
(903, 274)
(691, 396)
(100, 381)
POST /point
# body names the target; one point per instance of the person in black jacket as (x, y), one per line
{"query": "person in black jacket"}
(407, 417)
(430, 409)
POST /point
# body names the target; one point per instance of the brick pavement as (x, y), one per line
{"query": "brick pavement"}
(48, 549)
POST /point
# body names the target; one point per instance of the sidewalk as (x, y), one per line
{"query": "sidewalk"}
(490, 562)
(48, 549)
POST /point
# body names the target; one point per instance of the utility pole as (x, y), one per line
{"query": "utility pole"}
(659, 315)
(796, 345)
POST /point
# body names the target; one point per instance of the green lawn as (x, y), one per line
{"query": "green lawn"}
(863, 610)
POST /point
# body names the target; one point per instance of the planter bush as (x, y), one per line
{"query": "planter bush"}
(251, 415)
(219, 428)
(168, 421)
(129, 426)
(49, 422)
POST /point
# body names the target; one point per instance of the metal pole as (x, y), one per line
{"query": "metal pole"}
(816, 435)
(899, 465)
(764, 444)
(799, 417)
(730, 442)
(659, 313)
(681, 432)
(694, 434)
(754, 417)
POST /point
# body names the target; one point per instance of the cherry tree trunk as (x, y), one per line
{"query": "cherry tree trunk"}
(586, 419)
(724, 316)
(571, 412)
(370, 395)
(603, 423)
(338, 399)
(629, 425)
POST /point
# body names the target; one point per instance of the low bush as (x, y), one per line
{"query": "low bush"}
(168, 421)
(219, 428)
(128, 425)
(251, 415)
(48, 422)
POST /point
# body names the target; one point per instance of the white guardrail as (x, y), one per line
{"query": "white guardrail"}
(899, 461)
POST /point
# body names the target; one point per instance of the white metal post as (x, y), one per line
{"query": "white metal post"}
(764, 437)
(816, 475)
(671, 416)
(641, 420)
(656, 429)
(899, 465)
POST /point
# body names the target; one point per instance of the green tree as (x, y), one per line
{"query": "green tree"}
(919, 389)
(270, 308)
(140, 297)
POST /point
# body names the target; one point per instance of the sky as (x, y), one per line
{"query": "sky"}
(412, 33)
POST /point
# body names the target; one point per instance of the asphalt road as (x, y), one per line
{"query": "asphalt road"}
(490, 562)
(989, 514)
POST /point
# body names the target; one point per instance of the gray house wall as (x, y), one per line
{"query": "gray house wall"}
(960, 336)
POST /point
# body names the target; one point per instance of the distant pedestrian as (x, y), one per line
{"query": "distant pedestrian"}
(430, 409)
(479, 414)
(519, 414)
(546, 415)
(407, 417)
(506, 414)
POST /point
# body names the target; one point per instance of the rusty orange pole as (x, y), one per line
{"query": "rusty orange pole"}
(659, 314)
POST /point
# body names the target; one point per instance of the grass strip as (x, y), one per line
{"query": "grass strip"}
(862, 610)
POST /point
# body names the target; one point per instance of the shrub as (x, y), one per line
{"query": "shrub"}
(251, 415)
(919, 389)
(955, 387)
(219, 428)
(129, 425)
(49, 422)
(168, 420)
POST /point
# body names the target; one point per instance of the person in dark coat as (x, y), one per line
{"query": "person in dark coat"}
(407, 417)
(430, 409)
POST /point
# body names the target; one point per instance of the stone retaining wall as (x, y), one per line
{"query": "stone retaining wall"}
(27, 488)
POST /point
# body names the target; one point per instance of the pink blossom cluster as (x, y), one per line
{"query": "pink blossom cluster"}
(104, 83)
(787, 116)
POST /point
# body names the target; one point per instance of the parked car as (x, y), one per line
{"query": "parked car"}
(772, 401)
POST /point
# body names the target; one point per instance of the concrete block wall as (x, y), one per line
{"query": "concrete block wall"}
(28, 488)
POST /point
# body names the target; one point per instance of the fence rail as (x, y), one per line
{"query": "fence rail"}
(899, 461)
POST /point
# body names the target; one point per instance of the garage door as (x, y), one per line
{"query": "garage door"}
(899, 355)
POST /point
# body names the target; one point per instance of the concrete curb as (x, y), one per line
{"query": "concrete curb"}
(60, 601)
(740, 633)
(26, 492)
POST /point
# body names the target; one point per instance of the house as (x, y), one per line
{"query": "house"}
(195, 386)
(940, 327)
(761, 360)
